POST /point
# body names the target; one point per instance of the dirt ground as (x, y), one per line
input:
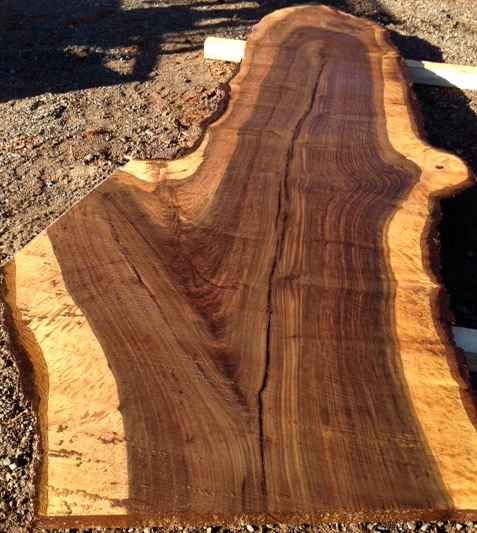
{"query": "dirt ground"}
(85, 85)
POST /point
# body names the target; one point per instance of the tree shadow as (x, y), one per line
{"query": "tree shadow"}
(62, 46)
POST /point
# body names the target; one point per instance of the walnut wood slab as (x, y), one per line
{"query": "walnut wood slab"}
(252, 333)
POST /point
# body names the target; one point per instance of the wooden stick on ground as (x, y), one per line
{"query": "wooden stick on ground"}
(442, 75)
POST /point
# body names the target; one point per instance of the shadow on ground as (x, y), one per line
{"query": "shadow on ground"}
(55, 47)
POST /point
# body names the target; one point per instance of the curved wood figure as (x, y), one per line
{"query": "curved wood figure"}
(253, 332)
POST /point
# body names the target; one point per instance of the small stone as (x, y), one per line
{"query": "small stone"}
(270, 526)
(88, 158)
(424, 527)
(411, 526)
(440, 524)
(370, 527)
(458, 526)
(209, 530)
(12, 466)
(249, 528)
(6, 461)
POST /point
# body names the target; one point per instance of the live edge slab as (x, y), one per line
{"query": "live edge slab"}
(254, 332)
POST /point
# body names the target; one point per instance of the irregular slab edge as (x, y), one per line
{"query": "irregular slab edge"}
(461, 174)
(425, 367)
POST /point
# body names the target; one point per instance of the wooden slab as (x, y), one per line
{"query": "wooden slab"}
(252, 333)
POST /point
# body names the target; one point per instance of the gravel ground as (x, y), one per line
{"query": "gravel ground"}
(84, 85)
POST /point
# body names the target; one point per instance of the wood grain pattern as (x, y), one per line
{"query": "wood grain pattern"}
(252, 332)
